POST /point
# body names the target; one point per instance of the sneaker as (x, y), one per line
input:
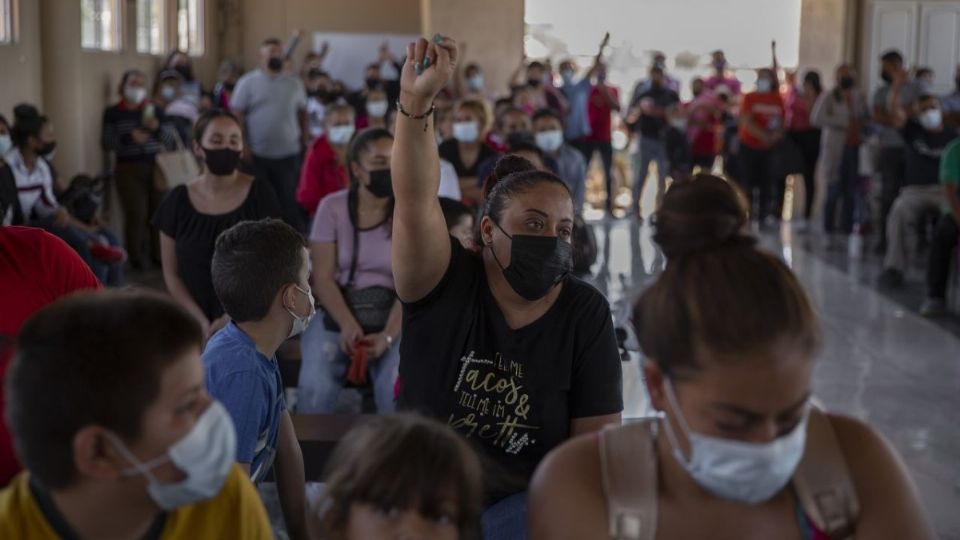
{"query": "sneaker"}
(891, 278)
(106, 253)
(933, 307)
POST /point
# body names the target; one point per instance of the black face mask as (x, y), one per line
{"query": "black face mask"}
(221, 161)
(534, 83)
(381, 184)
(47, 148)
(229, 86)
(275, 63)
(372, 83)
(886, 77)
(847, 83)
(537, 264)
(184, 71)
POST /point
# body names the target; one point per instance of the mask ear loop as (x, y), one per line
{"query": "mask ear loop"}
(493, 252)
(674, 441)
(138, 467)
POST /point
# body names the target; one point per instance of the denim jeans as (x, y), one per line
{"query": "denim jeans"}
(506, 520)
(650, 150)
(110, 274)
(323, 371)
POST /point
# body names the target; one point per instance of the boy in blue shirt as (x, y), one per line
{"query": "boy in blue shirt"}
(260, 273)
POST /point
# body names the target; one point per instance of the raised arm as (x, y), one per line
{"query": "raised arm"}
(421, 243)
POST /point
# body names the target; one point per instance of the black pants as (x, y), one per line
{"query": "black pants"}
(808, 142)
(891, 178)
(941, 252)
(283, 174)
(757, 172)
(588, 148)
(844, 191)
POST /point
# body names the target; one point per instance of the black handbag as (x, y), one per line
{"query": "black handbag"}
(370, 306)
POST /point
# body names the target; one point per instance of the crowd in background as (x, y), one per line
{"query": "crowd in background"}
(338, 215)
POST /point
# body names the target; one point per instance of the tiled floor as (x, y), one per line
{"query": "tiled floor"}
(881, 362)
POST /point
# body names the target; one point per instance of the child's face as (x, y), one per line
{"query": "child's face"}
(368, 521)
(463, 231)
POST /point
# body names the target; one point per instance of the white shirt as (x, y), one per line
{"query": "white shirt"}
(35, 188)
(449, 181)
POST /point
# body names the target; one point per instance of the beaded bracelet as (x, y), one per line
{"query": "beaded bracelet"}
(423, 116)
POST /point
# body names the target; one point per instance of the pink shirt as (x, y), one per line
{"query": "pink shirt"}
(715, 81)
(332, 225)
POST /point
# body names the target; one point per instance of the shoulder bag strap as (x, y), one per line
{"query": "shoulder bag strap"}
(628, 463)
(822, 481)
(354, 255)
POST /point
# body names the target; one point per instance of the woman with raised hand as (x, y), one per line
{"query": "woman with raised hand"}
(739, 452)
(503, 345)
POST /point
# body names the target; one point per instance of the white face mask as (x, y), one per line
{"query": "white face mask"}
(377, 109)
(549, 141)
(168, 93)
(748, 473)
(6, 143)
(301, 323)
(340, 135)
(206, 455)
(475, 82)
(931, 119)
(135, 94)
(764, 85)
(466, 132)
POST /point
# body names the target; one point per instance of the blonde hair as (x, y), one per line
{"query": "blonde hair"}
(480, 109)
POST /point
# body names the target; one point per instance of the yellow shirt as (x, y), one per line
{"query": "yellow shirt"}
(235, 513)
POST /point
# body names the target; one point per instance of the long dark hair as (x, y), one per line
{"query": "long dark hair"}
(359, 144)
(27, 123)
(718, 294)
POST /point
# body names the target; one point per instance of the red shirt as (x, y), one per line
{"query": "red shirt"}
(36, 268)
(599, 112)
(767, 112)
(321, 175)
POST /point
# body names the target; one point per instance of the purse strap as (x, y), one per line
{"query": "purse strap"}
(628, 464)
(822, 481)
(353, 256)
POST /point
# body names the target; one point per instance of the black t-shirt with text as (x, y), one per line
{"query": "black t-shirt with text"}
(512, 393)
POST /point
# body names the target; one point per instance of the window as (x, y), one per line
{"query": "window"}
(6, 20)
(100, 24)
(190, 26)
(150, 26)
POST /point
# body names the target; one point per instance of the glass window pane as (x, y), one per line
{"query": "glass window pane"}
(150, 26)
(190, 26)
(6, 21)
(100, 24)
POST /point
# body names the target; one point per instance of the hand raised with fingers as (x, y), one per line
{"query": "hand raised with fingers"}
(428, 68)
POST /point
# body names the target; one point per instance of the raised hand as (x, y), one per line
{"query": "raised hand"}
(428, 68)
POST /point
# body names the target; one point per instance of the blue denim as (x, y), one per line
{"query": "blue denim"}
(507, 519)
(650, 150)
(323, 371)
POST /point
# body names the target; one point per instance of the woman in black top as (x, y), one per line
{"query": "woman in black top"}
(192, 216)
(504, 345)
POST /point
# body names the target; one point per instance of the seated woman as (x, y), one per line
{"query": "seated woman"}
(132, 446)
(731, 340)
(350, 246)
(192, 216)
(324, 170)
(467, 150)
(400, 476)
(503, 345)
(375, 109)
(37, 205)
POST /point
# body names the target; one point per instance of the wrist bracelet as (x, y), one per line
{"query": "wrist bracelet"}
(423, 116)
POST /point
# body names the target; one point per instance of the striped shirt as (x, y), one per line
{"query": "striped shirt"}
(119, 122)
(35, 188)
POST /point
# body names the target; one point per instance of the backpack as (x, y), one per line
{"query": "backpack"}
(821, 481)
(84, 196)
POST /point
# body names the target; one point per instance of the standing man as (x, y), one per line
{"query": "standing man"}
(721, 77)
(761, 129)
(272, 107)
(891, 153)
(604, 100)
(648, 120)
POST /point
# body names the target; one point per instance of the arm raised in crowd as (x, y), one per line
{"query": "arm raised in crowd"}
(421, 243)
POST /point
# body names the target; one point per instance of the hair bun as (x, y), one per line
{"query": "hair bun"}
(25, 111)
(703, 213)
(507, 165)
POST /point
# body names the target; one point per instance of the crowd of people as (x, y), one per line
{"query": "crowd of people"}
(418, 237)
